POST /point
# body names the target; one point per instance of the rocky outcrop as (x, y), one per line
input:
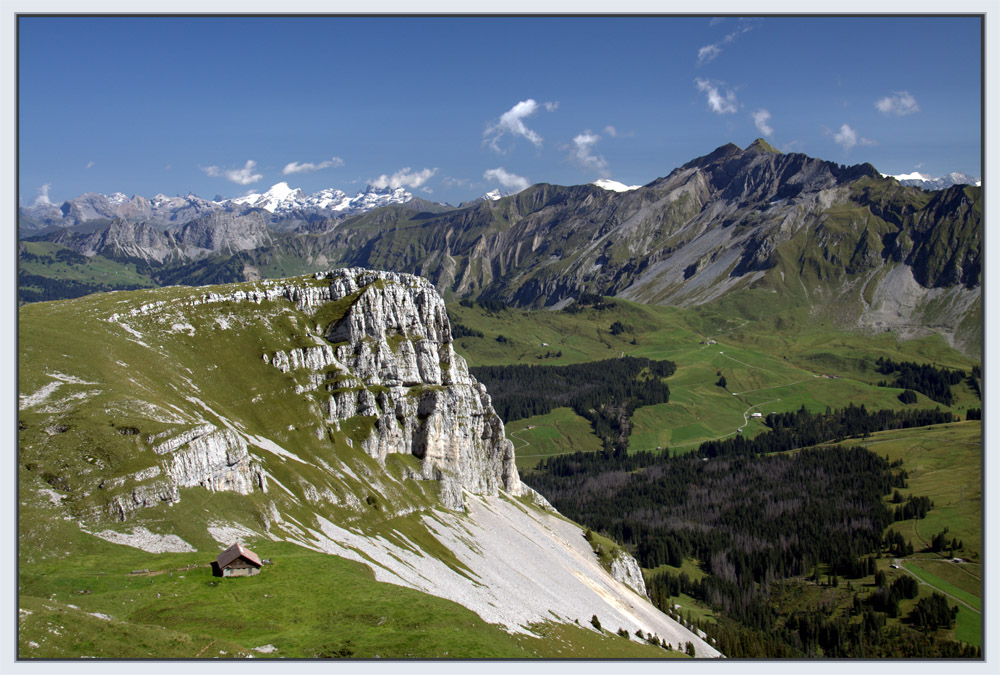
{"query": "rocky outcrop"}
(218, 461)
(626, 569)
(142, 497)
(215, 459)
(391, 361)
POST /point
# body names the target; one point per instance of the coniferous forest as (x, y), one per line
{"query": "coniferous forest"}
(605, 393)
(753, 518)
(934, 383)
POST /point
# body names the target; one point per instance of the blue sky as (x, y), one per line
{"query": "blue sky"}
(453, 107)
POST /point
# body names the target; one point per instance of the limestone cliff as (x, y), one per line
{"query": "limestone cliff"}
(625, 569)
(389, 359)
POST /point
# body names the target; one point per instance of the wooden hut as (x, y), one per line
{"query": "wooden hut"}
(238, 561)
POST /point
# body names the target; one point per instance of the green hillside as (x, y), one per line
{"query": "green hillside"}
(142, 367)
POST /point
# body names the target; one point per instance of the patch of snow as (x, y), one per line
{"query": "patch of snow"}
(266, 649)
(614, 185)
(143, 539)
(908, 176)
(105, 617)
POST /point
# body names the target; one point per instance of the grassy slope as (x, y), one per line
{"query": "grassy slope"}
(559, 432)
(69, 443)
(305, 604)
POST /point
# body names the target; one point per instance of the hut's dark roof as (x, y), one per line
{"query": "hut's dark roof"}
(234, 552)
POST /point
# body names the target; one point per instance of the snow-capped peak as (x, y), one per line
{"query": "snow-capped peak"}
(281, 198)
(117, 198)
(494, 195)
(941, 182)
(909, 176)
(614, 186)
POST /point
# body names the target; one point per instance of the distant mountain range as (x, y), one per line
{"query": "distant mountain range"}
(755, 232)
(940, 183)
(287, 206)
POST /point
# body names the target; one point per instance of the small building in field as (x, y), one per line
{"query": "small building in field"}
(237, 561)
(756, 414)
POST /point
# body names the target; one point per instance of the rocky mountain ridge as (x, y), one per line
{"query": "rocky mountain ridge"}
(826, 239)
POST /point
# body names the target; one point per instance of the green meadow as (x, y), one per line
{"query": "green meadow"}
(765, 370)
(118, 602)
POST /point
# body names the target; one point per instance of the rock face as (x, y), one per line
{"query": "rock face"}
(391, 362)
(626, 569)
(215, 459)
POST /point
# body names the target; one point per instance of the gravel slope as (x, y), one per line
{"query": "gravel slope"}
(529, 566)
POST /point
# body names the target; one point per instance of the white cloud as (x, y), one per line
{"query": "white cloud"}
(43, 194)
(451, 181)
(614, 133)
(306, 167)
(405, 177)
(719, 102)
(508, 180)
(427, 190)
(707, 53)
(551, 106)
(90, 164)
(512, 122)
(899, 104)
(583, 153)
(244, 176)
(848, 138)
(760, 119)
(744, 28)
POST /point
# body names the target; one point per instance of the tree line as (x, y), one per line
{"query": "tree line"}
(802, 428)
(933, 382)
(605, 393)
